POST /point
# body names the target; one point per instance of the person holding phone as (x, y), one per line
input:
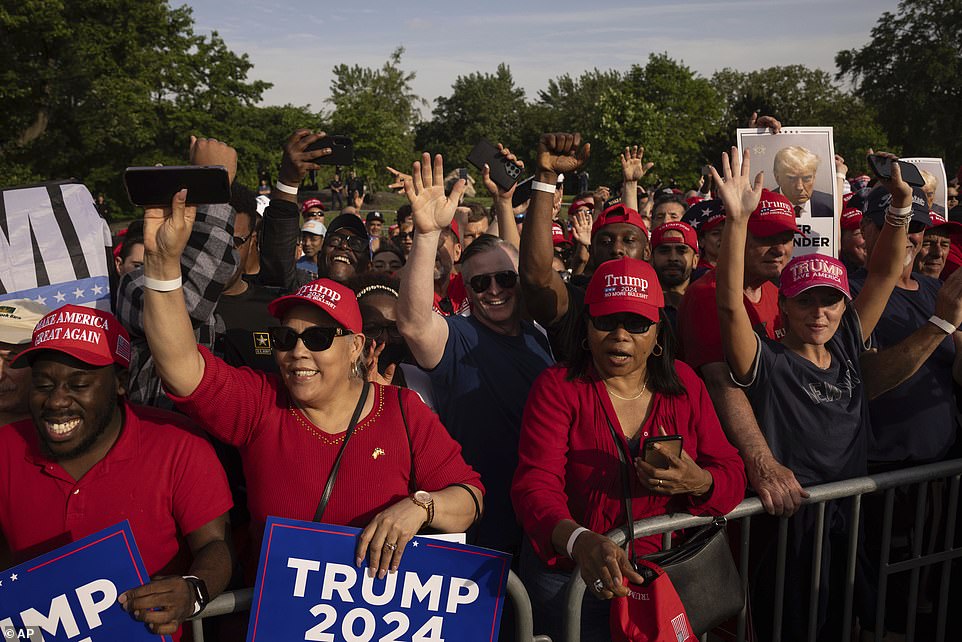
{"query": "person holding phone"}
(582, 441)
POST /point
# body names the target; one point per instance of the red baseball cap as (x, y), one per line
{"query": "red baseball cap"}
(88, 334)
(619, 214)
(688, 235)
(624, 285)
(811, 271)
(336, 300)
(938, 220)
(851, 218)
(311, 202)
(773, 215)
(558, 234)
(575, 204)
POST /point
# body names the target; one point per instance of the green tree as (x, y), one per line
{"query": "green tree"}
(797, 96)
(909, 72)
(378, 109)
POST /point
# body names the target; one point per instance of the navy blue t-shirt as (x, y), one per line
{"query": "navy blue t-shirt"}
(480, 386)
(916, 421)
(814, 420)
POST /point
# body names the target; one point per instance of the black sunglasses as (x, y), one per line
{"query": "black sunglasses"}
(315, 338)
(633, 323)
(482, 282)
(356, 244)
(379, 331)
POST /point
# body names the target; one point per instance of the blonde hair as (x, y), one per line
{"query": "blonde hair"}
(795, 156)
(930, 181)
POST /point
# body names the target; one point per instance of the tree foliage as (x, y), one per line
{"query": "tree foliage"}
(909, 72)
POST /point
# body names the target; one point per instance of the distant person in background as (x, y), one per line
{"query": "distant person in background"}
(375, 226)
(852, 252)
(667, 208)
(312, 239)
(312, 208)
(387, 258)
(337, 191)
(102, 208)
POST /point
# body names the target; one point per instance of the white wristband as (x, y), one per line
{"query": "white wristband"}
(900, 211)
(574, 536)
(287, 189)
(543, 187)
(942, 324)
(162, 286)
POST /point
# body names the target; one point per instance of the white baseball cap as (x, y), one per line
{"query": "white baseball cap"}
(18, 317)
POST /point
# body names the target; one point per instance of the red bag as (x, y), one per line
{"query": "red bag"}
(652, 612)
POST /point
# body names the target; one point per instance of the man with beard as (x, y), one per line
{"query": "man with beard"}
(674, 246)
(88, 459)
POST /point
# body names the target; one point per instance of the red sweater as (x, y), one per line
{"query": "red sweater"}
(569, 466)
(287, 459)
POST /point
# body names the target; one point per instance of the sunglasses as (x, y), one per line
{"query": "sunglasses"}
(315, 338)
(505, 280)
(633, 323)
(378, 332)
(240, 240)
(356, 244)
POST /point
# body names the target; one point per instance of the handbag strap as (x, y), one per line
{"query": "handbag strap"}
(329, 486)
(625, 484)
(412, 480)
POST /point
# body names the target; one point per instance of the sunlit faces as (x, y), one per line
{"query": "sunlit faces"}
(710, 243)
(311, 244)
(471, 231)
(913, 243)
(617, 240)
(673, 261)
(496, 307)
(387, 261)
(767, 256)
(311, 375)
(933, 253)
(374, 228)
(14, 382)
(133, 260)
(667, 211)
(344, 253)
(853, 247)
(73, 405)
(619, 352)
(813, 316)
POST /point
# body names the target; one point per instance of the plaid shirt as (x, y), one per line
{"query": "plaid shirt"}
(207, 264)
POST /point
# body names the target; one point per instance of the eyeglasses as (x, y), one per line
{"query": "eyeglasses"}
(505, 280)
(633, 323)
(240, 240)
(356, 244)
(315, 338)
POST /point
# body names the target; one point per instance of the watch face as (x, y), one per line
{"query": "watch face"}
(422, 496)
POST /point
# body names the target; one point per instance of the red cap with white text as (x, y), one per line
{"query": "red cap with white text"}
(773, 215)
(682, 233)
(88, 334)
(812, 271)
(332, 298)
(624, 285)
(619, 214)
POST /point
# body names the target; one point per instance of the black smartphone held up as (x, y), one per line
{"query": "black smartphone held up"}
(156, 186)
(522, 193)
(504, 173)
(882, 167)
(463, 173)
(670, 443)
(342, 150)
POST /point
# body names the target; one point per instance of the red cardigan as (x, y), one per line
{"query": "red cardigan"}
(569, 468)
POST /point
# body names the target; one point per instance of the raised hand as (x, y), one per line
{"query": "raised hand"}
(900, 190)
(581, 228)
(209, 151)
(296, 163)
(561, 153)
(166, 230)
(399, 177)
(431, 209)
(735, 187)
(633, 167)
(490, 185)
(840, 166)
(765, 121)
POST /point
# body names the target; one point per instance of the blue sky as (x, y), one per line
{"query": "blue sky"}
(294, 44)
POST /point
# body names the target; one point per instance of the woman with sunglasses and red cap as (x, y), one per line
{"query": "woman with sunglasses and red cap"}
(582, 443)
(398, 470)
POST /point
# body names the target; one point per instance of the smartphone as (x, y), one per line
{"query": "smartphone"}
(463, 173)
(522, 193)
(669, 443)
(882, 167)
(156, 186)
(504, 173)
(342, 150)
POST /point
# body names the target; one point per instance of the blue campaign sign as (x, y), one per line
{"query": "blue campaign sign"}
(309, 589)
(71, 593)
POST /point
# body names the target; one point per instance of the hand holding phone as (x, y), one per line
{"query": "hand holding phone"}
(670, 444)
(882, 167)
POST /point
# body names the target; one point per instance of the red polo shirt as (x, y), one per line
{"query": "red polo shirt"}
(161, 474)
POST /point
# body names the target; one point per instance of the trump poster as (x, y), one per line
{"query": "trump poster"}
(936, 187)
(799, 163)
(308, 588)
(71, 593)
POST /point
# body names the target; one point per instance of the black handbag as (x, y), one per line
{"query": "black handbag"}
(701, 568)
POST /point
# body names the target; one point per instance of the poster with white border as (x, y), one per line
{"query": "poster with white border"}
(800, 163)
(936, 168)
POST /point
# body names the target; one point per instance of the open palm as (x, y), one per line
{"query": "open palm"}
(430, 208)
(735, 187)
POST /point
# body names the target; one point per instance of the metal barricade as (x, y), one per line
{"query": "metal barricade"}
(890, 482)
(240, 600)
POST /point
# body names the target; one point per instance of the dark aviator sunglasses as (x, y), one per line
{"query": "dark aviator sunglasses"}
(482, 282)
(315, 338)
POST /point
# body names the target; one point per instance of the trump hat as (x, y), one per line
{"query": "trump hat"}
(624, 285)
(311, 203)
(681, 233)
(558, 235)
(336, 300)
(579, 202)
(18, 318)
(851, 218)
(88, 334)
(773, 215)
(619, 214)
(812, 271)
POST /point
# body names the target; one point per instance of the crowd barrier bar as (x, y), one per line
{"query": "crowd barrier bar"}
(240, 600)
(889, 482)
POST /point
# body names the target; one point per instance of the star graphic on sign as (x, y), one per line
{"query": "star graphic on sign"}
(78, 293)
(97, 290)
(13, 577)
(41, 300)
(60, 296)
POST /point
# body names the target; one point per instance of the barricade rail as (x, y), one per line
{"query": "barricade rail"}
(819, 495)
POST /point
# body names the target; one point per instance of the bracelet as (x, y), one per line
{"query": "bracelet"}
(898, 216)
(543, 187)
(162, 286)
(942, 324)
(900, 211)
(286, 189)
(571, 540)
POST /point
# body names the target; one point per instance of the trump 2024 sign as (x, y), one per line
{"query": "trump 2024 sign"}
(309, 589)
(71, 593)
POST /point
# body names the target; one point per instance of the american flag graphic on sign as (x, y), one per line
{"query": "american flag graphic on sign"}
(54, 246)
(680, 624)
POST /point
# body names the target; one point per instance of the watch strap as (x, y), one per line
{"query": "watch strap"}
(199, 589)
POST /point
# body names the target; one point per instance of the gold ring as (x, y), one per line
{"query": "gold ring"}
(391, 547)
(659, 483)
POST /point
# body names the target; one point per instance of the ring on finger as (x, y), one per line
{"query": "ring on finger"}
(598, 586)
(391, 547)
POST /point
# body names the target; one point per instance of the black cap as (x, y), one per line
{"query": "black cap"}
(878, 202)
(375, 216)
(347, 221)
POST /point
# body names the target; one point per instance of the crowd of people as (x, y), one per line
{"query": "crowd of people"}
(516, 372)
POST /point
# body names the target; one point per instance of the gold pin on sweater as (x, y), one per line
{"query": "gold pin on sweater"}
(377, 453)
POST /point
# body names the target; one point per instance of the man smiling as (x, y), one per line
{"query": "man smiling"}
(87, 459)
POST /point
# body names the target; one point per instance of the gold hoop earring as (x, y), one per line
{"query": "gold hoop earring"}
(660, 351)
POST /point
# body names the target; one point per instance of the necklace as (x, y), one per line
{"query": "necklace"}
(615, 394)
